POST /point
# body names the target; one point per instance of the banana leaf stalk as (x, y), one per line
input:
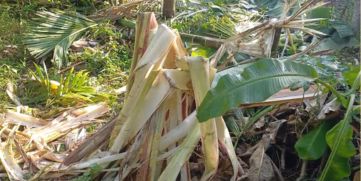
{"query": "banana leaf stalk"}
(182, 106)
(101, 160)
(178, 132)
(151, 167)
(23, 119)
(61, 125)
(90, 145)
(10, 164)
(154, 166)
(183, 152)
(201, 75)
(152, 86)
(149, 90)
(145, 29)
(225, 140)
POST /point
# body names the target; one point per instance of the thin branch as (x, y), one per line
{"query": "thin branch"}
(204, 40)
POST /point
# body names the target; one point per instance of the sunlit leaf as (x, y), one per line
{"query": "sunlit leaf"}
(256, 83)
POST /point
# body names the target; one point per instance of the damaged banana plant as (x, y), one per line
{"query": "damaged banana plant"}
(259, 39)
(171, 106)
(158, 127)
(157, 113)
(174, 104)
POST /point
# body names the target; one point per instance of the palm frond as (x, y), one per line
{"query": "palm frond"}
(55, 32)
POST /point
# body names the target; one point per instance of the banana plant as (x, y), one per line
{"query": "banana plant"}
(255, 83)
(259, 80)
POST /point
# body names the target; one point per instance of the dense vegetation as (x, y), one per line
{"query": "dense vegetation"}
(224, 90)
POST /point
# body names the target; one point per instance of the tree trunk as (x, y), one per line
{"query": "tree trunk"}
(168, 8)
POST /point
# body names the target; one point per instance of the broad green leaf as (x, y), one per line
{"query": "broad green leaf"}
(256, 83)
(234, 71)
(313, 145)
(339, 139)
(55, 32)
(339, 169)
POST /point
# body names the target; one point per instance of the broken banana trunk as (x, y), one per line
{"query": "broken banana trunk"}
(157, 127)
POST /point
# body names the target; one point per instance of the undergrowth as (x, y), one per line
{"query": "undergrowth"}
(104, 63)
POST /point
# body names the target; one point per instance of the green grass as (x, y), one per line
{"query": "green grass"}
(10, 71)
(12, 61)
(207, 23)
(107, 64)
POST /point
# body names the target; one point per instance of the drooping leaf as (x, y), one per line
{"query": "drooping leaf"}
(262, 166)
(55, 32)
(256, 83)
(313, 145)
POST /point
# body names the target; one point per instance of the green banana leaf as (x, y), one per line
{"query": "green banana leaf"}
(256, 83)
